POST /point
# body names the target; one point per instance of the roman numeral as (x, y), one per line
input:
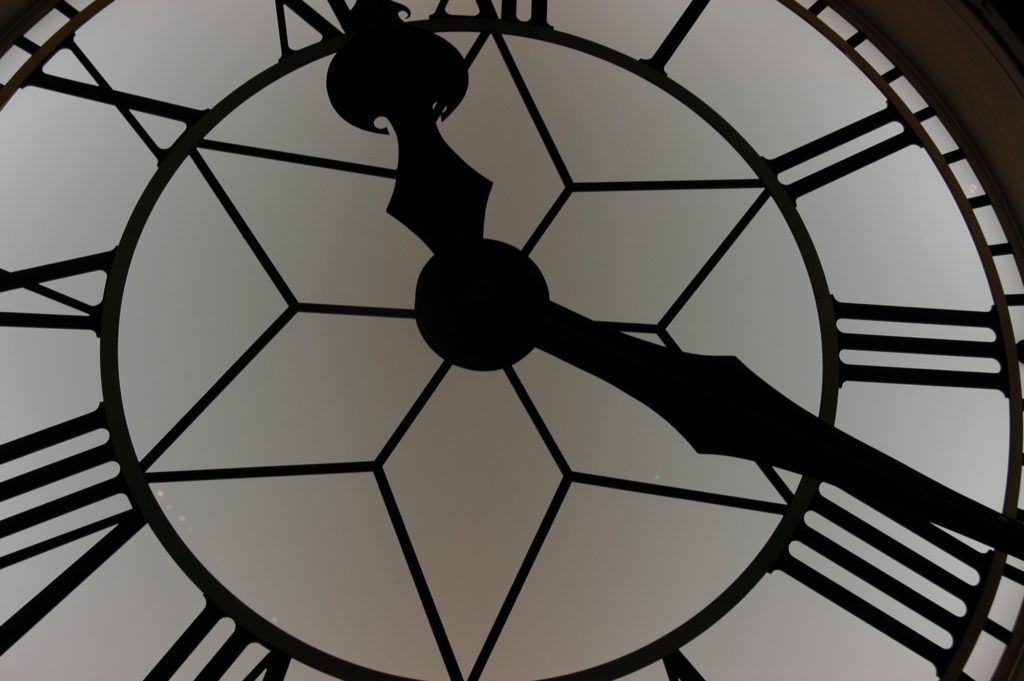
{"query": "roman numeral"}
(510, 11)
(878, 579)
(985, 321)
(850, 163)
(677, 34)
(274, 665)
(122, 526)
(678, 668)
(32, 279)
(311, 17)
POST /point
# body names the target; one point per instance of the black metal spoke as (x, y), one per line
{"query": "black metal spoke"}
(444, 646)
(520, 580)
(414, 411)
(531, 107)
(243, 472)
(126, 113)
(715, 258)
(632, 327)
(777, 482)
(667, 185)
(545, 223)
(355, 310)
(243, 228)
(216, 389)
(301, 159)
(678, 33)
(538, 421)
(678, 493)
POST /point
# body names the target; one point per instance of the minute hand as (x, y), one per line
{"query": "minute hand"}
(722, 407)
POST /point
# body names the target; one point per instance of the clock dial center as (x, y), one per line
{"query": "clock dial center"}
(477, 307)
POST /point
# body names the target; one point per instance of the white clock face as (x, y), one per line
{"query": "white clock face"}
(764, 185)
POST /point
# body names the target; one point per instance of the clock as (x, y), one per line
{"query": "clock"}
(517, 340)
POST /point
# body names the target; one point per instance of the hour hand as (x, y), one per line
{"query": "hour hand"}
(411, 77)
(722, 407)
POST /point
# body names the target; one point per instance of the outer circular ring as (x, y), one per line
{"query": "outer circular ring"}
(277, 638)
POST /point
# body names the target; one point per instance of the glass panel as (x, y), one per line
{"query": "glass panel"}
(891, 233)
(116, 625)
(195, 299)
(473, 481)
(619, 570)
(778, 82)
(328, 389)
(782, 631)
(627, 256)
(158, 49)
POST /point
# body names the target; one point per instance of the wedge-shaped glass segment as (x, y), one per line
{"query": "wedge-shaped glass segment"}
(333, 554)
(196, 298)
(329, 389)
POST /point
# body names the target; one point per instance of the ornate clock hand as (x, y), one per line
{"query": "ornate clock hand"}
(412, 78)
(722, 407)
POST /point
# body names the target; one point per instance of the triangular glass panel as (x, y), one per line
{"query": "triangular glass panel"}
(626, 256)
(196, 298)
(604, 432)
(315, 555)
(613, 126)
(328, 390)
(326, 230)
(472, 480)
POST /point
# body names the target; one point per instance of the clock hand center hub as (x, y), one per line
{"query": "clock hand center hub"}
(478, 306)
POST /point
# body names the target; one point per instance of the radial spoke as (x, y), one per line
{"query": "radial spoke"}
(777, 482)
(538, 422)
(414, 411)
(678, 493)
(301, 159)
(356, 310)
(474, 50)
(531, 106)
(715, 258)
(520, 580)
(549, 218)
(667, 185)
(244, 229)
(242, 472)
(444, 646)
(216, 389)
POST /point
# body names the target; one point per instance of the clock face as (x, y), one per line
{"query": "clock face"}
(231, 453)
